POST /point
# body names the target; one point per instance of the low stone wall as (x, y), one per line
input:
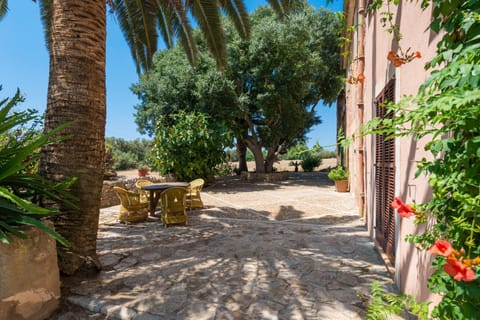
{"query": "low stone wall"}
(109, 197)
(29, 277)
(272, 176)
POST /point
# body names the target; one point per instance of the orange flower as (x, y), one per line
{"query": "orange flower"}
(458, 270)
(361, 78)
(404, 210)
(391, 55)
(476, 260)
(418, 54)
(442, 247)
(398, 62)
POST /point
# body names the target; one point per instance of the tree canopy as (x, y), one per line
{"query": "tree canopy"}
(269, 92)
(281, 73)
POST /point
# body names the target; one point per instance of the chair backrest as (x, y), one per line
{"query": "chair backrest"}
(196, 186)
(173, 200)
(143, 194)
(127, 198)
(142, 182)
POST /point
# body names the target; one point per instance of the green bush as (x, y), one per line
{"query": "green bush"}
(20, 188)
(338, 174)
(296, 152)
(325, 154)
(129, 154)
(125, 161)
(310, 163)
(190, 145)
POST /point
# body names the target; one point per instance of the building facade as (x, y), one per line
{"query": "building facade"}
(381, 168)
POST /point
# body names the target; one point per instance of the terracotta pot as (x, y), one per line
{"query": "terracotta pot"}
(341, 185)
(142, 172)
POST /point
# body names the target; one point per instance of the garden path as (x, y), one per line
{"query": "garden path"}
(286, 250)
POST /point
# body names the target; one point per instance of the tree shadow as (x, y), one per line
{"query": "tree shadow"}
(233, 268)
(233, 184)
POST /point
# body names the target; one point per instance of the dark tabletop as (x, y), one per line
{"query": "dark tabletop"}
(166, 185)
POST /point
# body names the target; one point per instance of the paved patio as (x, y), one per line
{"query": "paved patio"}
(287, 250)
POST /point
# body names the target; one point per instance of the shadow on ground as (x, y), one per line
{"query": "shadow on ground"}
(287, 250)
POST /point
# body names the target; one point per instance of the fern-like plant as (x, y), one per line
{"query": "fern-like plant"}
(383, 304)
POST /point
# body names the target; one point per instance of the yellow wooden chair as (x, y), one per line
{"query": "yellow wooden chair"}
(194, 201)
(132, 209)
(174, 206)
(144, 195)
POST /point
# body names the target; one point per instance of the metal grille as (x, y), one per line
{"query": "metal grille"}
(385, 177)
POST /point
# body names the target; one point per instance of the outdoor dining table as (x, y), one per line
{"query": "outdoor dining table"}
(157, 188)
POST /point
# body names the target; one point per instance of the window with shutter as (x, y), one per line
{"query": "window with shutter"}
(385, 178)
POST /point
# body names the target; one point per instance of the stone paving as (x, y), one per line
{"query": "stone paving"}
(286, 250)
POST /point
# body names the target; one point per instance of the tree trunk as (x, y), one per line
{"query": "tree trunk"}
(269, 160)
(76, 92)
(256, 149)
(272, 154)
(242, 156)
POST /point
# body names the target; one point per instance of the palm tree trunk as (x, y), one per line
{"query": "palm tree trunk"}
(76, 92)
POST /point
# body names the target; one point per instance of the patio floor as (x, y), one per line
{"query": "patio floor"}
(286, 250)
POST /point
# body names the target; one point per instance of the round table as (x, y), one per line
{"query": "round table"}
(156, 189)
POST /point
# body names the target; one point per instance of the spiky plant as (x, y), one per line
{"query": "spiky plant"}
(20, 189)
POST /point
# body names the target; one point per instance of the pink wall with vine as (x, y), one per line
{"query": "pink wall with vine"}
(411, 266)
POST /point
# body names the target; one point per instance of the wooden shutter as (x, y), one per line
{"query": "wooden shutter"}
(385, 178)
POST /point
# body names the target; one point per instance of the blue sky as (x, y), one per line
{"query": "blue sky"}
(24, 65)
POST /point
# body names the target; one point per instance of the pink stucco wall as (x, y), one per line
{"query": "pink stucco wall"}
(411, 265)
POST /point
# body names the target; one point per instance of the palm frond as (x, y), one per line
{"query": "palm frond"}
(284, 7)
(236, 11)
(45, 16)
(148, 17)
(3, 8)
(165, 16)
(277, 7)
(183, 30)
(138, 24)
(207, 15)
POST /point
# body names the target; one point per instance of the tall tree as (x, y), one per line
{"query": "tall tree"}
(282, 73)
(76, 41)
(274, 81)
(174, 85)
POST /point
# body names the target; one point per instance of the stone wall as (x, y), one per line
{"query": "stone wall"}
(29, 277)
(109, 197)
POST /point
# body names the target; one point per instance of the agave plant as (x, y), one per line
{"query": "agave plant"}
(21, 189)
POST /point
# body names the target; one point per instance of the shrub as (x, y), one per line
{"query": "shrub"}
(125, 161)
(295, 152)
(129, 154)
(310, 163)
(338, 174)
(190, 145)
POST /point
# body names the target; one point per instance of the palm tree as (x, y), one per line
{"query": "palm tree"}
(76, 35)
(3, 8)
(283, 7)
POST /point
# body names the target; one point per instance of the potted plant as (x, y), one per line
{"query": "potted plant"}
(143, 171)
(340, 177)
(27, 251)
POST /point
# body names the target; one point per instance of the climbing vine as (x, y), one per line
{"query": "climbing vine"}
(446, 112)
